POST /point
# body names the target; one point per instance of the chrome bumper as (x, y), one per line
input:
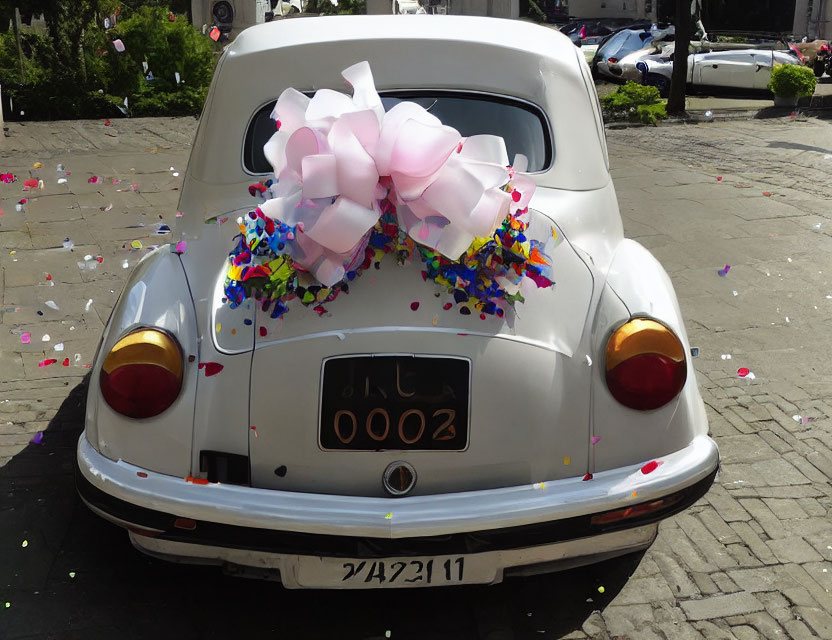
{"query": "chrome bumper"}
(386, 518)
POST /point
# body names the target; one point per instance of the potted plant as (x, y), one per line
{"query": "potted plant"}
(790, 82)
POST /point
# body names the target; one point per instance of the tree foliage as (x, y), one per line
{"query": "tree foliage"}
(76, 71)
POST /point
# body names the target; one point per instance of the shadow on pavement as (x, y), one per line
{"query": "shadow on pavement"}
(117, 592)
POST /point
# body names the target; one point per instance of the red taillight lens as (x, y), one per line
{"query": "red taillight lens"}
(142, 374)
(645, 365)
(612, 60)
(636, 510)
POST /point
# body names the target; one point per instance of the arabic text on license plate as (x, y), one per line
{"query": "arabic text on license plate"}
(348, 573)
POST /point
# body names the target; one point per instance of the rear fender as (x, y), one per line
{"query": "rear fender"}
(638, 286)
(156, 295)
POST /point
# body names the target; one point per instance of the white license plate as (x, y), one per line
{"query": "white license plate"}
(386, 573)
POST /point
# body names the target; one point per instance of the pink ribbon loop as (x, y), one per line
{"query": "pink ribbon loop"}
(331, 152)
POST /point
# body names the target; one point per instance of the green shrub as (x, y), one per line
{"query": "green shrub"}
(636, 103)
(184, 102)
(791, 80)
(103, 78)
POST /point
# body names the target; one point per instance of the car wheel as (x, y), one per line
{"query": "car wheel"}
(660, 82)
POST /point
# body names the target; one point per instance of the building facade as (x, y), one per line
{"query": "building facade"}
(813, 19)
(493, 8)
(633, 9)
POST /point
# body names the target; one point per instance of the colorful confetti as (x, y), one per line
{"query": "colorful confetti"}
(37, 438)
(724, 271)
(650, 467)
(211, 368)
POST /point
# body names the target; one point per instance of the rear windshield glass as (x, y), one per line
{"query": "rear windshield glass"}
(522, 126)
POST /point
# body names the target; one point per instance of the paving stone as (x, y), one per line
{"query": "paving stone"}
(677, 578)
(712, 632)
(594, 625)
(721, 606)
(785, 509)
(624, 620)
(764, 517)
(743, 632)
(725, 584)
(817, 619)
(727, 507)
(776, 605)
(766, 625)
(793, 549)
(818, 592)
(743, 556)
(717, 526)
(797, 630)
(644, 590)
(702, 538)
(812, 507)
(681, 630)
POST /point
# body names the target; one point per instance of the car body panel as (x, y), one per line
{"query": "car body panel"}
(155, 295)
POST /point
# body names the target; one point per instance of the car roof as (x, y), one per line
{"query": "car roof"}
(510, 58)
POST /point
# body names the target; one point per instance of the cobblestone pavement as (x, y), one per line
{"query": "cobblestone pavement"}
(753, 559)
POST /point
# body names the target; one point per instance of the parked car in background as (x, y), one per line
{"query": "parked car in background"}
(414, 432)
(587, 31)
(713, 65)
(623, 43)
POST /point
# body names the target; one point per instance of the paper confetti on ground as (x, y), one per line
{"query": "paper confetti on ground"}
(724, 271)
(26, 338)
(37, 438)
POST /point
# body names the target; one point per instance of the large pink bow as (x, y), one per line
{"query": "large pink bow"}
(330, 152)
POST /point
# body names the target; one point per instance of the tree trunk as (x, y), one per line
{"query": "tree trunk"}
(676, 101)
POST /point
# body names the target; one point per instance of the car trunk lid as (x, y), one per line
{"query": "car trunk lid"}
(528, 398)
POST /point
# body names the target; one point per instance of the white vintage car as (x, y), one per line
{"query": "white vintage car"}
(406, 434)
(713, 66)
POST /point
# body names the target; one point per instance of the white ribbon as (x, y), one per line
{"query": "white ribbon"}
(331, 150)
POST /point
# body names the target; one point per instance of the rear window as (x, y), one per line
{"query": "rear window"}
(521, 125)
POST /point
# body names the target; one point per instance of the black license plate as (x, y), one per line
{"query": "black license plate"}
(376, 403)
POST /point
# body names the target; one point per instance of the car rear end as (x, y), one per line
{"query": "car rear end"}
(389, 440)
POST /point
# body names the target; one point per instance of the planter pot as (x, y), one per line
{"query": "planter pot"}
(785, 101)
